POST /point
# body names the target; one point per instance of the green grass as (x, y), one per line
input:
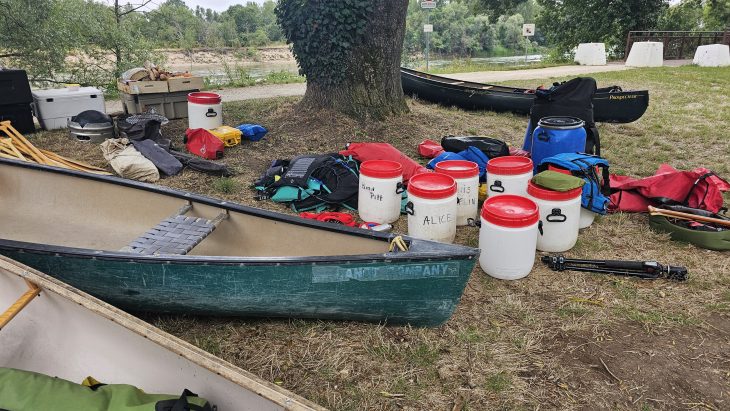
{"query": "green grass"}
(498, 382)
(471, 335)
(468, 65)
(225, 185)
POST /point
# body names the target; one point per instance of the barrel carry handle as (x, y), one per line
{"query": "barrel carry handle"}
(557, 216)
(409, 208)
(400, 188)
(497, 187)
(543, 136)
(211, 113)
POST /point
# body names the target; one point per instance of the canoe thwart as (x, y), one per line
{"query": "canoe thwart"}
(25, 299)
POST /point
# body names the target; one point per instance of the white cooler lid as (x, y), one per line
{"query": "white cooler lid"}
(65, 93)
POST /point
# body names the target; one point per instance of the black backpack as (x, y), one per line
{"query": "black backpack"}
(573, 98)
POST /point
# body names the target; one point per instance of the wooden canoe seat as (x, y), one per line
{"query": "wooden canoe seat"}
(176, 235)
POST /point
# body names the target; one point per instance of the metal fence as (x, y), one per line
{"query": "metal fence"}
(678, 44)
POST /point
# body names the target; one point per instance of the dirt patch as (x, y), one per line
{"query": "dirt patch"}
(624, 366)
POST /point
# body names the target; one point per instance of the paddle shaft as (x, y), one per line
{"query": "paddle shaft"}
(687, 216)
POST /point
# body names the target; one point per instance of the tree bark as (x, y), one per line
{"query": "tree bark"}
(372, 88)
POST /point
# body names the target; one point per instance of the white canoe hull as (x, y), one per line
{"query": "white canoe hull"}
(68, 334)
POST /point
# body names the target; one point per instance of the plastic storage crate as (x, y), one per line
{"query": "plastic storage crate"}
(170, 105)
(14, 87)
(19, 115)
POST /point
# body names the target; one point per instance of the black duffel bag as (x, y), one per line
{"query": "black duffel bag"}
(491, 147)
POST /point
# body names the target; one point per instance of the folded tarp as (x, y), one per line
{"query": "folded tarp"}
(127, 162)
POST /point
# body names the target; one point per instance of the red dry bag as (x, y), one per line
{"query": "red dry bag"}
(201, 142)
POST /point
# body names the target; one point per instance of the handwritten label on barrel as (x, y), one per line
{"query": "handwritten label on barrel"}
(338, 274)
(438, 219)
(464, 196)
(373, 195)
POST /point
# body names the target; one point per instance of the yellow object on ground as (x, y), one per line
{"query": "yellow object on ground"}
(228, 135)
(482, 192)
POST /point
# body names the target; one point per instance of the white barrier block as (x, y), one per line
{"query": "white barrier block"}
(646, 54)
(591, 54)
(712, 55)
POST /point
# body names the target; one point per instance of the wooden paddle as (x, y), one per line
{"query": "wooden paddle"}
(687, 216)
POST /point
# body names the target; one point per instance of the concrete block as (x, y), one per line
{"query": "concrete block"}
(646, 54)
(591, 54)
(712, 55)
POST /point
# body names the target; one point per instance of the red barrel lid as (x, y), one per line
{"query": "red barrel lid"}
(509, 165)
(381, 169)
(511, 211)
(552, 195)
(204, 98)
(432, 186)
(458, 168)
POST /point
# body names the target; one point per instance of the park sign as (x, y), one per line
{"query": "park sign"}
(426, 4)
(528, 30)
(428, 28)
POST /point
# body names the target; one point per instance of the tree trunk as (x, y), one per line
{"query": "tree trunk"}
(372, 88)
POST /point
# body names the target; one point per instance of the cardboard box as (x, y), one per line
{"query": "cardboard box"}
(142, 87)
(184, 84)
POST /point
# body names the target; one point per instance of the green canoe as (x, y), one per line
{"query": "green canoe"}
(98, 234)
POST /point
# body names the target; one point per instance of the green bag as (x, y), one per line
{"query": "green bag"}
(718, 241)
(556, 181)
(29, 391)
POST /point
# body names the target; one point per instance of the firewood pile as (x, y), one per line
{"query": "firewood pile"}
(151, 72)
(15, 146)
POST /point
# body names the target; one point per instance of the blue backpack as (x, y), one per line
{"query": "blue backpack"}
(596, 190)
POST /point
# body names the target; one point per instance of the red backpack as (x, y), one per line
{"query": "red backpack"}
(201, 142)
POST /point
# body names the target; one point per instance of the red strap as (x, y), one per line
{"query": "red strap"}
(331, 217)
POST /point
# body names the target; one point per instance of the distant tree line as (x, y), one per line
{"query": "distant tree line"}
(174, 25)
(92, 42)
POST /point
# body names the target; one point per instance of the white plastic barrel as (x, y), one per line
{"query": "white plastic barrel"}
(431, 207)
(586, 218)
(559, 217)
(205, 110)
(379, 195)
(508, 236)
(466, 175)
(508, 175)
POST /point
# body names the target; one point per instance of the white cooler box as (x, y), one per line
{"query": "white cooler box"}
(54, 107)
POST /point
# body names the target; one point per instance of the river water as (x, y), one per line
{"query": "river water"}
(216, 73)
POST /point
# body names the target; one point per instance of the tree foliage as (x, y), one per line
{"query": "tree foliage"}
(567, 23)
(69, 40)
(462, 29)
(323, 34)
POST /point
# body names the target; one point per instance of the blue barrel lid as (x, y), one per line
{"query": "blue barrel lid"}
(561, 123)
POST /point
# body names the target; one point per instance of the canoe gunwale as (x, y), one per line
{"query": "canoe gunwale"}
(459, 253)
(419, 249)
(243, 378)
